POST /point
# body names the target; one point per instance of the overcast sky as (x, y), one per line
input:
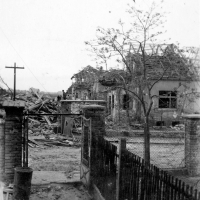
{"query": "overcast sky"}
(47, 36)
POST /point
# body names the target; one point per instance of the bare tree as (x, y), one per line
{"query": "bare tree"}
(144, 59)
(1, 80)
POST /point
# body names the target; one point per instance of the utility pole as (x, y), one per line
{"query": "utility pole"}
(15, 77)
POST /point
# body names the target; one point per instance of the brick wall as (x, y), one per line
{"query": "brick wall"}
(97, 114)
(192, 144)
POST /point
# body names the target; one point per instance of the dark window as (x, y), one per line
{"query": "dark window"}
(167, 99)
(109, 104)
(175, 123)
(113, 101)
(160, 123)
(126, 101)
(85, 96)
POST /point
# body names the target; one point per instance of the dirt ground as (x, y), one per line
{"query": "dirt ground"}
(56, 158)
(59, 192)
(48, 160)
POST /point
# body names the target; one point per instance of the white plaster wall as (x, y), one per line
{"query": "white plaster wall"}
(167, 113)
(171, 85)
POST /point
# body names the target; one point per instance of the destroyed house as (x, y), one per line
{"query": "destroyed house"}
(173, 78)
(85, 84)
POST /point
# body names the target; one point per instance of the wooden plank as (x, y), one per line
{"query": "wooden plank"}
(33, 141)
(172, 187)
(162, 185)
(67, 130)
(47, 120)
(176, 189)
(192, 192)
(179, 189)
(138, 182)
(196, 194)
(30, 145)
(183, 191)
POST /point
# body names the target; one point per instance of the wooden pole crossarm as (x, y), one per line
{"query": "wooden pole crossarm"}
(16, 67)
(14, 77)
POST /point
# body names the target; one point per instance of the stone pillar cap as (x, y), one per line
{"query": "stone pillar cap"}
(92, 106)
(192, 116)
(84, 101)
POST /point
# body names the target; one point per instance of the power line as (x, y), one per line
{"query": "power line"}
(22, 59)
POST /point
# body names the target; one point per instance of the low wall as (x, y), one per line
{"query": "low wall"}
(154, 133)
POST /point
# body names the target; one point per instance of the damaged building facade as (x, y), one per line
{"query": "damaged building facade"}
(175, 92)
(85, 85)
(168, 106)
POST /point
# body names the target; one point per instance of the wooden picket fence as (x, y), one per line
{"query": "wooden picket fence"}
(141, 182)
(105, 168)
(125, 176)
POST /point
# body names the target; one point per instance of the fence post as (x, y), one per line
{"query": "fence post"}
(122, 147)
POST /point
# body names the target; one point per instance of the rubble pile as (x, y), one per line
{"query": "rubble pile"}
(178, 127)
(47, 127)
(53, 140)
(40, 104)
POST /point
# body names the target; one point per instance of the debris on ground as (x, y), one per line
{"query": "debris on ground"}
(54, 140)
(47, 155)
(178, 127)
(48, 125)
(38, 103)
(159, 127)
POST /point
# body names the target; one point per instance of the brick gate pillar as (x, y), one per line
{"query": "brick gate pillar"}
(192, 144)
(12, 137)
(97, 115)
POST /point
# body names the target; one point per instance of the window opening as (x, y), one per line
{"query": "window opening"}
(113, 101)
(175, 123)
(109, 105)
(167, 99)
(126, 101)
(160, 123)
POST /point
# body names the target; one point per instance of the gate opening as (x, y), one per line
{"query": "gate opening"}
(53, 156)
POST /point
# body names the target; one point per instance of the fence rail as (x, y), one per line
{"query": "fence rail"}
(127, 177)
